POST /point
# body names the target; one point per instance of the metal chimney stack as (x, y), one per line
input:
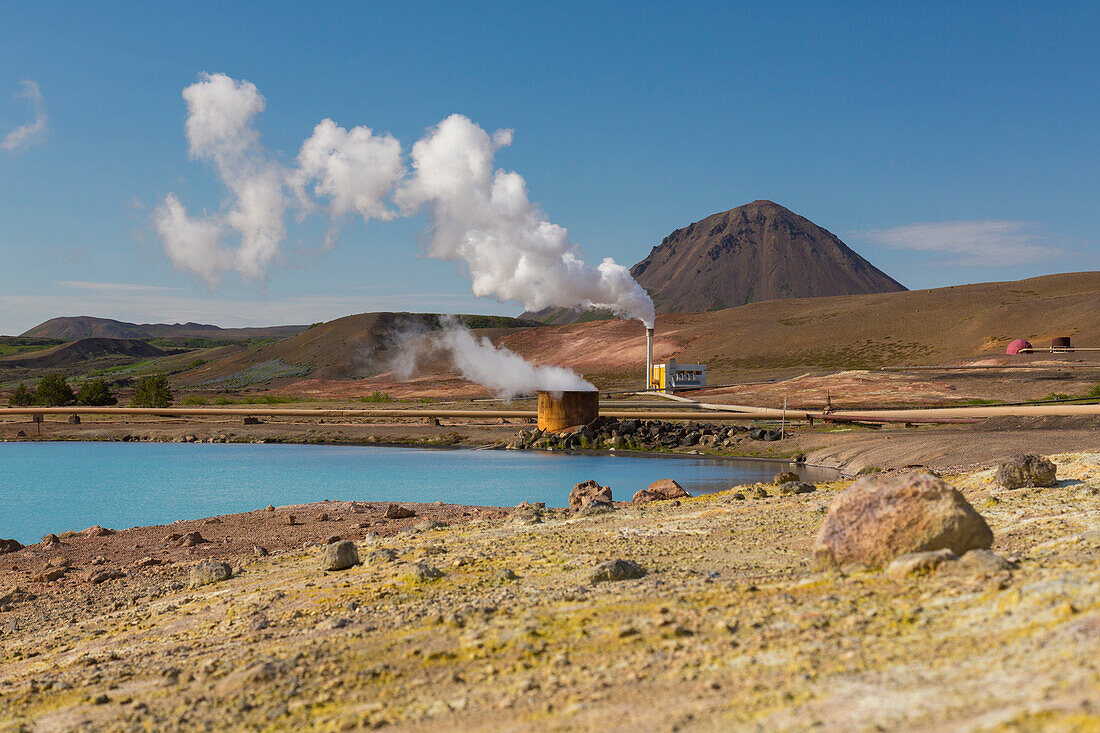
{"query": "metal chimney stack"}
(648, 358)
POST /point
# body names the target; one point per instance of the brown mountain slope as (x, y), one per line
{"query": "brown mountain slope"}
(77, 352)
(843, 332)
(80, 327)
(756, 252)
(346, 348)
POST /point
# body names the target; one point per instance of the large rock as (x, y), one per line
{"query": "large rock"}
(210, 571)
(339, 555)
(614, 570)
(10, 546)
(1026, 470)
(661, 490)
(879, 518)
(396, 511)
(587, 492)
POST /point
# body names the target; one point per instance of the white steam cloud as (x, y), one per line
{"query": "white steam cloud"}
(504, 372)
(484, 218)
(480, 215)
(34, 131)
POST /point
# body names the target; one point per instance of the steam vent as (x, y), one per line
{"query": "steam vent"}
(561, 410)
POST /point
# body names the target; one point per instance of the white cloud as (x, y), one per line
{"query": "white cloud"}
(34, 131)
(986, 242)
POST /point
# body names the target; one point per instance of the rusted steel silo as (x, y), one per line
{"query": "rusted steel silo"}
(561, 410)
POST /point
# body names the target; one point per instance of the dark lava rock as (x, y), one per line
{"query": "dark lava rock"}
(795, 487)
(786, 477)
(209, 571)
(7, 546)
(1024, 471)
(339, 555)
(614, 570)
(396, 511)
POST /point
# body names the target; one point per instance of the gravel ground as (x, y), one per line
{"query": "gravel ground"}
(494, 621)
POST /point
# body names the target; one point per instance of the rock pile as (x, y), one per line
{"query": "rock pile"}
(606, 433)
(879, 518)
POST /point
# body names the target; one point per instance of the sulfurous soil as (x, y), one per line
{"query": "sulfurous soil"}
(493, 619)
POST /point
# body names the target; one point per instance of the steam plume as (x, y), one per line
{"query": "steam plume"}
(480, 215)
(504, 372)
(484, 217)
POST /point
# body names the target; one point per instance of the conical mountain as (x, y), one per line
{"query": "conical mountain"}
(759, 251)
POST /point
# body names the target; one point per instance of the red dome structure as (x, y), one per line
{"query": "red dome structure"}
(1017, 346)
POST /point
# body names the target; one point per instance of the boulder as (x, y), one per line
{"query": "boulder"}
(879, 518)
(96, 531)
(1024, 471)
(919, 563)
(396, 511)
(51, 540)
(785, 478)
(614, 570)
(795, 487)
(209, 571)
(10, 546)
(983, 562)
(587, 492)
(661, 490)
(339, 555)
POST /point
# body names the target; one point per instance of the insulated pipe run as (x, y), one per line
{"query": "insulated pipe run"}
(648, 358)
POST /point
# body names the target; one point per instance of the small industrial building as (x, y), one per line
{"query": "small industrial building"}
(672, 376)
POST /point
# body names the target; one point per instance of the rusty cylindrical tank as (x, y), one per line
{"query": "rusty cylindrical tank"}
(561, 410)
(1061, 343)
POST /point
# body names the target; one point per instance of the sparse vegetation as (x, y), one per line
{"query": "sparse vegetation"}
(196, 363)
(377, 396)
(21, 397)
(152, 391)
(54, 391)
(95, 393)
(194, 399)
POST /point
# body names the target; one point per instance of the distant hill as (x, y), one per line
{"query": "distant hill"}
(70, 328)
(793, 335)
(756, 252)
(759, 251)
(350, 347)
(80, 352)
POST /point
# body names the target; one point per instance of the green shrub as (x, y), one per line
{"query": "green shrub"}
(95, 393)
(377, 396)
(152, 391)
(21, 397)
(54, 391)
(194, 399)
(224, 401)
(196, 363)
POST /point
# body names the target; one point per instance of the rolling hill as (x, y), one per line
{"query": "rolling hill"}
(347, 348)
(917, 327)
(70, 328)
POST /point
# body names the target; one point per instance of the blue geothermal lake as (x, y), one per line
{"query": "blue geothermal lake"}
(53, 487)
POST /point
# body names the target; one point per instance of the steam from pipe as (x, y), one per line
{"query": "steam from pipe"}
(479, 215)
(504, 372)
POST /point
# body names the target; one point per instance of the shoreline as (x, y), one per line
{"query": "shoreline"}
(466, 617)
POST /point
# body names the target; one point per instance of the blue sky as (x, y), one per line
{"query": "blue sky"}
(945, 142)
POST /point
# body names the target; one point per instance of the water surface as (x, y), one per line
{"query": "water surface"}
(57, 486)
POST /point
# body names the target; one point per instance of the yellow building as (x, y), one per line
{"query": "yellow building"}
(671, 376)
